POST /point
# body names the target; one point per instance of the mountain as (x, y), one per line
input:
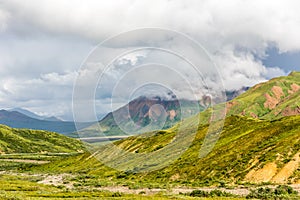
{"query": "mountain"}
(32, 141)
(33, 115)
(145, 112)
(139, 111)
(27, 113)
(273, 99)
(18, 120)
(53, 119)
(249, 149)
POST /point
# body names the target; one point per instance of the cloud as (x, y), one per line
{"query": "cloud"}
(236, 22)
(43, 43)
(238, 68)
(49, 89)
(4, 16)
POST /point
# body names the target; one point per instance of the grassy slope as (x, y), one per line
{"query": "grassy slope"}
(32, 141)
(242, 141)
(252, 101)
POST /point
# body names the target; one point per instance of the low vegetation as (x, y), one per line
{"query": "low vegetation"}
(33, 141)
(274, 99)
(213, 193)
(280, 192)
(245, 145)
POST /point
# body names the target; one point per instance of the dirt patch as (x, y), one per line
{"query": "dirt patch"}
(147, 191)
(271, 102)
(252, 114)
(229, 105)
(264, 174)
(277, 91)
(175, 177)
(57, 180)
(53, 180)
(287, 171)
(26, 161)
(127, 190)
(294, 88)
(288, 111)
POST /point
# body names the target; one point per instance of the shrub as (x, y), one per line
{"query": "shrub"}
(213, 193)
(116, 194)
(280, 192)
(284, 189)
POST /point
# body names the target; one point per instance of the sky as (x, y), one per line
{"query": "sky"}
(45, 44)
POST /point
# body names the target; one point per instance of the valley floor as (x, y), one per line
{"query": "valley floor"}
(18, 184)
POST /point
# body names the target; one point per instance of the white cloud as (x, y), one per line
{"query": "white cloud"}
(4, 16)
(243, 69)
(44, 42)
(47, 94)
(246, 23)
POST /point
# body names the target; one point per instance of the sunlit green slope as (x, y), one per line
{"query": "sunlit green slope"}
(273, 99)
(245, 144)
(33, 141)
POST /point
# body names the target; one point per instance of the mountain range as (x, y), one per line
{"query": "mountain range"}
(170, 112)
(149, 113)
(259, 143)
(33, 115)
(16, 119)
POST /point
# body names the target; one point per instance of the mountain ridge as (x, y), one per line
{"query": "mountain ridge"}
(275, 98)
(27, 113)
(18, 120)
(139, 112)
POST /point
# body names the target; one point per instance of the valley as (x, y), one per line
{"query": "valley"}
(257, 153)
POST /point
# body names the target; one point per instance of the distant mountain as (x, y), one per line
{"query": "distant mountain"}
(144, 111)
(32, 141)
(140, 113)
(53, 119)
(27, 113)
(33, 115)
(18, 120)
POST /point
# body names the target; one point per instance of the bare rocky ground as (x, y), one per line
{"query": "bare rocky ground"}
(64, 180)
(39, 162)
(240, 190)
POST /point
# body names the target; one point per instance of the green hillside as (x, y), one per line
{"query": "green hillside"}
(273, 99)
(33, 141)
(258, 143)
(245, 149)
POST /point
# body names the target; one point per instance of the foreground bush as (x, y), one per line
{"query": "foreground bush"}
(280, 192)
(213, 193)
